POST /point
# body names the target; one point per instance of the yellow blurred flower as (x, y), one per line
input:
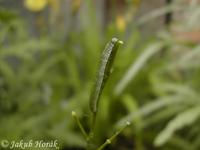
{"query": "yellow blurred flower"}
(35, 5)
(121, 23)
(76, 5)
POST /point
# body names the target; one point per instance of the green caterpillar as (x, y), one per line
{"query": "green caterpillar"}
(103, 73)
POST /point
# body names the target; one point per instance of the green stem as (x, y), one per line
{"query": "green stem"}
(90, 144)
(74, 115)
(108, 141)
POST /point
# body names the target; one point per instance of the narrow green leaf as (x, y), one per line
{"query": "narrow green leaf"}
(183, 119)
(103, 74)
(137, 66)
(156, 105)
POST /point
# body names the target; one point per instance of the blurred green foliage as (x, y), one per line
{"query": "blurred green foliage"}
(155, 83)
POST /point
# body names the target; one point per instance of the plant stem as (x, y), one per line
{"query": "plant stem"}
(74, 115)
(108, 141)
(90, 145)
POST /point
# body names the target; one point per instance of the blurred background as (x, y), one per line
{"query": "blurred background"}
(49, 54)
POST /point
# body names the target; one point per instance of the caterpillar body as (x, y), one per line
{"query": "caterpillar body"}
(104, 71)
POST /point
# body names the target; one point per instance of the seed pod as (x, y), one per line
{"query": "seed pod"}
(103, 73)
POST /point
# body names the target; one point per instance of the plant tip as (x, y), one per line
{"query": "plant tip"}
(108, 141)
(128, 123)
(121, 42)
(73, 113)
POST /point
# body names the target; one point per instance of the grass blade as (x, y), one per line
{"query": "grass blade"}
(137, 66)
